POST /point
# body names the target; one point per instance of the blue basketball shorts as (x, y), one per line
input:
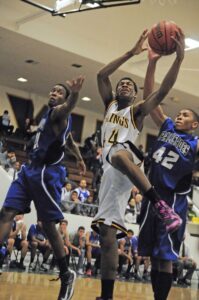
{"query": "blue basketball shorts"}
(43, 185)
(153, 238)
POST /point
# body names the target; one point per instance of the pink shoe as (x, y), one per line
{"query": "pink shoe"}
(171, 220)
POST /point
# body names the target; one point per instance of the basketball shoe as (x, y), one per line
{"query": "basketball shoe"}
(171, 220)
(67, 285)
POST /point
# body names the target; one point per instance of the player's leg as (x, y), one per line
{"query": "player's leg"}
(109, 260)
(164, 278)
(123, 161)
(7, 215)
(67, 277)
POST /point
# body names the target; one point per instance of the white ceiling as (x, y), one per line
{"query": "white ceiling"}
(92, 39)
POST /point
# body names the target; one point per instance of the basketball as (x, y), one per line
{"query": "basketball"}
(159, 37)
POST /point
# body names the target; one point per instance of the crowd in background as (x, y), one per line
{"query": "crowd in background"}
(82, 248)
(79, 197)
(28, 249)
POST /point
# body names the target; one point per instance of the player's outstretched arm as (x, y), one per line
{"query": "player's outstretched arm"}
(74, 149)
(154, 99)
(157, 114)
(62, 111)
(104, 83)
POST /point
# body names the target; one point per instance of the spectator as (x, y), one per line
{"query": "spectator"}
(5, 123)
(138, 260)
(37, 240)
(12, 171)
(79, 246)
(82, 191)
(92, 251)
(17, 239)
(66, 195)
(65, 236)
(7, 158)
(130, 214)
(184, 262)
(125, 253)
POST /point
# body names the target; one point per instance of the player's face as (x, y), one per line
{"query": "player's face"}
(56, 96)
(125, 89)
(184, 121)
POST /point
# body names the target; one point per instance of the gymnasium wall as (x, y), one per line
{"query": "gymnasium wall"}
(38, 101)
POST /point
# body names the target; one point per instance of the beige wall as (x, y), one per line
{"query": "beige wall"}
(90, 118)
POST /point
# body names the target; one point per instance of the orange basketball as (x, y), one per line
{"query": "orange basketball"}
(159, 37)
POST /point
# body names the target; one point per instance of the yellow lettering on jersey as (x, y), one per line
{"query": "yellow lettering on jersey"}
(115, 119)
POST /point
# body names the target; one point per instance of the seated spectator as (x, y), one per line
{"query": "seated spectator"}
(5, 123)
(130, 213)
(139, 260)
(125, 253)
(66, 195)
(37, 240)
(7, 159)
(79, 248)
(93, 250)
(17, 239)
(65, 236)
(73, 206)
(88, 210)
(12, 171)
(184, 262)
(82, 191)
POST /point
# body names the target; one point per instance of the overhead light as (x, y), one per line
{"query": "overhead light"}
(86, 99)
(92, 5)
(63, 3)
(21, 79)
(191, 44)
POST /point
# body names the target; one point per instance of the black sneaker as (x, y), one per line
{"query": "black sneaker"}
(67, 285)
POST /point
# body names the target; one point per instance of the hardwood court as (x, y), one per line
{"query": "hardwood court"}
(24, 286)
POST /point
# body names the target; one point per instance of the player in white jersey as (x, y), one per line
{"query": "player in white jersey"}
(122, 123)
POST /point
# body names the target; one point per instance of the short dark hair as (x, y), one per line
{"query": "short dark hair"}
(63, 221)
(65, 88)
(81, 228)
(130, 231)
(128, 78)
(195, 115)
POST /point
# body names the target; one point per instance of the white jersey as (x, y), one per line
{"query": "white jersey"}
(118, 126)
(115, 188)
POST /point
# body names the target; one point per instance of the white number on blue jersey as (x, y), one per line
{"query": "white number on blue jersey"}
(167, 161)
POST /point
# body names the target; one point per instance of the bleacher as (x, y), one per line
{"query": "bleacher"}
(19, 147)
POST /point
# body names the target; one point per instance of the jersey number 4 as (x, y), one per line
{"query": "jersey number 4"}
(113, 137)
(166, 161)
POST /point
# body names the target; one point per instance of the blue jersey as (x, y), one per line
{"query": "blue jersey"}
(37, 232)
(94, 239)
(48, 148)
(173, 157)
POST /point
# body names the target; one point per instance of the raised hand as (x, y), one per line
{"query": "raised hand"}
(180, 43)
(139, 46)
(153, 56)
(75, 85)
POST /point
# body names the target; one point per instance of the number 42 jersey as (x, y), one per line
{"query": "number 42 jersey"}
(173, 157)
